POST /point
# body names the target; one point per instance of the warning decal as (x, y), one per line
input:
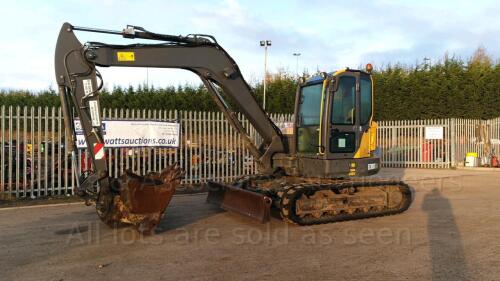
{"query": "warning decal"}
(94, 113)
(87, 87)
(125, 56)
(99, 150)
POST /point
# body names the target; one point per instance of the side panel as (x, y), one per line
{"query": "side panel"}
(335, 168)
(364, 145)
(368, 142)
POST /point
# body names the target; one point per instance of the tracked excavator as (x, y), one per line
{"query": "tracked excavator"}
(316, 175)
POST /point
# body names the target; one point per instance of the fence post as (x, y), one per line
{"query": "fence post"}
(453, 141)
(2, 148)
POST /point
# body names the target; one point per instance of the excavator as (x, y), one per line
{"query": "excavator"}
(318, 174)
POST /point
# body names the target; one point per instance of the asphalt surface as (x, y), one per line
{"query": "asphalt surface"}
(451, 232)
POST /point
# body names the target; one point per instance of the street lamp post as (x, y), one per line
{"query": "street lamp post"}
(296, 55)
(427, 62)
(265, 44)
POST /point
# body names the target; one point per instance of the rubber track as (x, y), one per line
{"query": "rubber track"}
(293, 192)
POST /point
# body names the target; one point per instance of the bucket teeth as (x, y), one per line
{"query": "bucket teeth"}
(142, 200)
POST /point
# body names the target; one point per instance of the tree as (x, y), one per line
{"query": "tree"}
(451, 87)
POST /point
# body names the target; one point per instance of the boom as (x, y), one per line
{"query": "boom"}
(76, 74)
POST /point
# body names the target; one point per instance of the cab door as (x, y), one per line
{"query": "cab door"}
(350, 112)
(308, 117)
(343, 117)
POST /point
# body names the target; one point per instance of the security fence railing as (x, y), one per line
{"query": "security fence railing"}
(34, 159)
(437, 143)
(408, 143)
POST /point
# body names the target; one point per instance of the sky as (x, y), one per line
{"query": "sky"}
(328, 34)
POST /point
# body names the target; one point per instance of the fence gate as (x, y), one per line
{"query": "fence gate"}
(415, 143)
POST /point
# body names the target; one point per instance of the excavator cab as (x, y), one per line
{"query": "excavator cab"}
(335, 132)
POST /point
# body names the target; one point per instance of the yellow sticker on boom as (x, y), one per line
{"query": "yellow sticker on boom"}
(125, 56)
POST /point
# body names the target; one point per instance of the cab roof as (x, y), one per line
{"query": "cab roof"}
(318, 77)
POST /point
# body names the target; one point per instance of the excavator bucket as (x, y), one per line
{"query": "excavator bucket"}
(241, 201)
(142, 200)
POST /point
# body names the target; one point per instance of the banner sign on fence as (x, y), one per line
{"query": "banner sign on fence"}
(433, 133)
(134, 133)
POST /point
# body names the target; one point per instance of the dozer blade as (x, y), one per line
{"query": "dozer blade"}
(241, 201)
(142, 200)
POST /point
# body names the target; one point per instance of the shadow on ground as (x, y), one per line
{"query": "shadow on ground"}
(446, 248)
(182, 213)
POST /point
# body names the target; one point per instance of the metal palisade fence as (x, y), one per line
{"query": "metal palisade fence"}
(404, 143)
(436, 143)
(34, 159)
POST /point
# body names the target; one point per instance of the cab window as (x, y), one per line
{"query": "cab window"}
(344, 102)
(309, 116)
(365, 100)
(310, 100)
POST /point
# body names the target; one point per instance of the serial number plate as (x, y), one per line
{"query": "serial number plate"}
(372, 166)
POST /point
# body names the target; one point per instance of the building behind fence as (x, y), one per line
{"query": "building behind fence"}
(34, 158)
